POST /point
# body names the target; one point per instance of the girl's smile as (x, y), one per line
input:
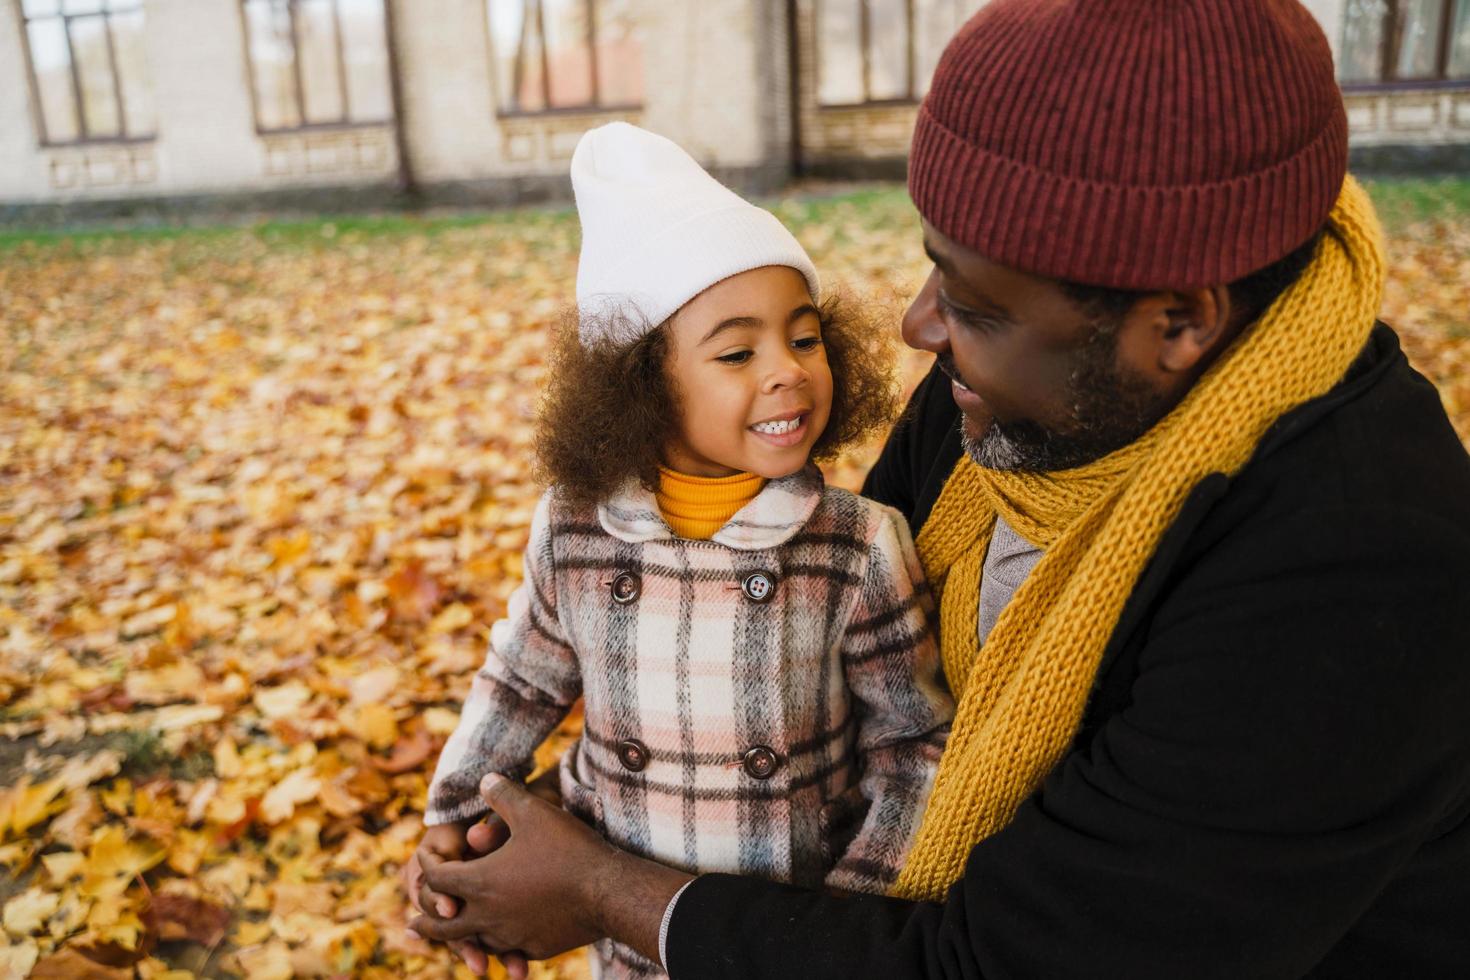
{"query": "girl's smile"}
(751, 374)
(783, 430)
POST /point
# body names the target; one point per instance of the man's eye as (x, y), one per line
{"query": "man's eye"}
(735, 357)
(965, 318)
(807, 343)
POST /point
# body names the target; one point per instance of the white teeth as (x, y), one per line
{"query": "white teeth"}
(777, 428)
(959, 384)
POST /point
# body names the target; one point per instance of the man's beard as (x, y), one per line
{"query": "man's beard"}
(1110, 409)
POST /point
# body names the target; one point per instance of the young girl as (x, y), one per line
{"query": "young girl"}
(754, 650)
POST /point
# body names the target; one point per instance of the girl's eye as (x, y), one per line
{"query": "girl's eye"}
(735, 357)
(807, 343)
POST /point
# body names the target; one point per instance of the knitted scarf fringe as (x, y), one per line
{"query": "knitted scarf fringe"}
(1021, 697)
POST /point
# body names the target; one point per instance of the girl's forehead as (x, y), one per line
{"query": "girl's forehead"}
(752, 298)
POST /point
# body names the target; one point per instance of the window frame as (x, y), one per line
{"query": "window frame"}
(595, 105)
(1441, 78)
(865, 50)
(345, 122)
(83, 138)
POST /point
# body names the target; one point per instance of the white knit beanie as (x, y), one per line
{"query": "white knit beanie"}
(657, 231)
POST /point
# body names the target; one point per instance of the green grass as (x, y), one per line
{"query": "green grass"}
(877, 204)
(310, 232)
(1400, 202)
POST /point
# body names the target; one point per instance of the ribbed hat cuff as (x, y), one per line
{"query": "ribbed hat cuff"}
(1112, 234)
(636, 296)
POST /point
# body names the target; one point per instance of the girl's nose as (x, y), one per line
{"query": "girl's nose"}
(788, 373)
(922, 328)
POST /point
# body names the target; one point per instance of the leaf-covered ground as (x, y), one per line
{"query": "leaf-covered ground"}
(262, 492)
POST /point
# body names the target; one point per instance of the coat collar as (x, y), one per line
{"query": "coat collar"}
(780, 510)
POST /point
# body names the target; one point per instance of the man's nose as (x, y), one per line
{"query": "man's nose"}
(922, 328)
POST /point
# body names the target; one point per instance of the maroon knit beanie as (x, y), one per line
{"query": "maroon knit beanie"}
(1137, 144)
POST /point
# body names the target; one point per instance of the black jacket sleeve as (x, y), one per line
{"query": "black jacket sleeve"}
(1294, 742)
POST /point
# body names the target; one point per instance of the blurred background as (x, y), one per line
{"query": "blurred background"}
(148, 107)
(276, 279)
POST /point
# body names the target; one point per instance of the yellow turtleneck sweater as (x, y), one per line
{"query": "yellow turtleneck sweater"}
(697, 506)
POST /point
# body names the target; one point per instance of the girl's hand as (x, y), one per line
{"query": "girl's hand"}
(458, 842)
(553, 886)
(444, 843)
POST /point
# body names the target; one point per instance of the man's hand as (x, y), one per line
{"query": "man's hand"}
(451, 842)
(482, 837)
(553, 886)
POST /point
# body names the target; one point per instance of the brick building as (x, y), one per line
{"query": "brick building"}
(325, 102)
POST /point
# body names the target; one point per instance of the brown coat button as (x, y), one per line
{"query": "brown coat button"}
(625, 588)
(760, 762)
(758, 587)
(633, 754)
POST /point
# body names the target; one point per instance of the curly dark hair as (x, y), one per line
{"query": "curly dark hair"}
(610, 409)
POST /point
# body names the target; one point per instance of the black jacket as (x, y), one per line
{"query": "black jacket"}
(1272, 778)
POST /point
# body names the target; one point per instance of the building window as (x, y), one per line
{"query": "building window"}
(565, 54)
(882, 50)
(317, 63)
(1405, 42)
(89, 70)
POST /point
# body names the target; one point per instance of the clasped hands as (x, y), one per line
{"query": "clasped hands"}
(520, 884)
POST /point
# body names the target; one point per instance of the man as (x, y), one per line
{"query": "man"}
(1201, 539)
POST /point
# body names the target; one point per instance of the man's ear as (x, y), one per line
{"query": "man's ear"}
(1198, 328)
(1174, 335)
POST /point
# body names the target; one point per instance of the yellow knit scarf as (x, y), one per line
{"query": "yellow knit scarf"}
(1021, 697)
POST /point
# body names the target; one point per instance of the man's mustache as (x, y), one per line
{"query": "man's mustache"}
(947, 367)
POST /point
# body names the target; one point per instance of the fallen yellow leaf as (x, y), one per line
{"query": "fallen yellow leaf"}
(248, 933)
(226, 758)
(376, 725)
(83, 770)
(452, 617)
(70, 916)
(269, 962)
(114, 860)
(299, 786)
(63, 866)
(284, 701)
(148, 621)
(24, 806)
(178, 716)
(27, 912)
(290, 549)
(17, 855)
(19, 960)
(374, 685)
(440, 721)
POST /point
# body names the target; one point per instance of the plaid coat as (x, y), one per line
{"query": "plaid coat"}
(767, 702)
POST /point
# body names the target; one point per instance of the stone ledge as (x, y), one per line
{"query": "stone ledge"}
(1410, 159)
